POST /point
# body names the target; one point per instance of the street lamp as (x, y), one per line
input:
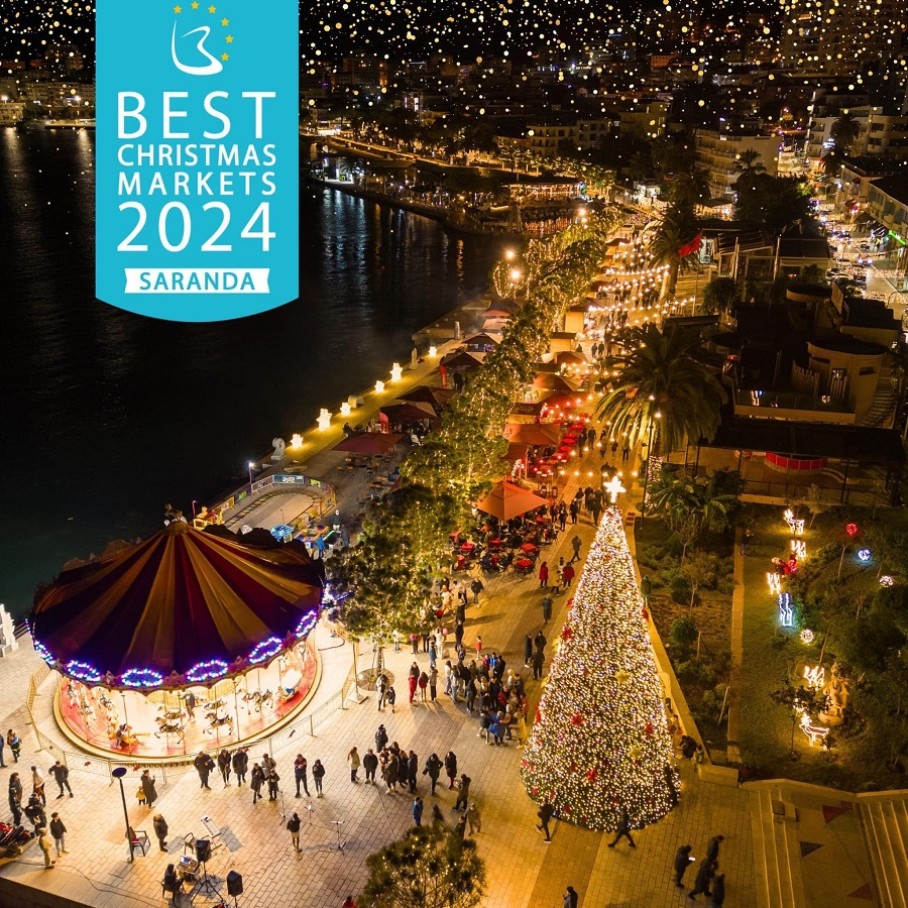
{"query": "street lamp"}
(649, 453)
(249, 467)
(118, 774)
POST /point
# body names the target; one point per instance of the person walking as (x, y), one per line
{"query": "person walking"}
(370, 764)
(412, 770)
(272, 778)
(538, 663)
(391, 696)
(476, 587)
(432, 769)
(46, 843)
(293, 827)
(567, 575)
(58, 831)
(354, 761)
(546, 608)
(571, 899)
(148, 787)
(623, 830)
(349, 902)
(424, 686)
(159, 824)
(15, 798)
(451, 767)
(463, 796)
(240, 765)
(301, 774)
(15, 744)
(38, 786)
(575, 545)
(540, 641)
(416, 810)
(718, 896)
(224, 763)
(203, 766)
(712, 848)
(256, 782)
(433, 684)
(704, 878)
(381, 688)
(381, 738)
(413, 676)
(60, 772)
(545, 813)
(473, 819)
(318, 775)
(683, 860)
(543, 575)
(2, 742)
(527, 650)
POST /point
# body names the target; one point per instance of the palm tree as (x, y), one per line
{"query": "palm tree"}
(674, 232)
(747, 166)
(689, 188)
(660, 384)
(845, 132)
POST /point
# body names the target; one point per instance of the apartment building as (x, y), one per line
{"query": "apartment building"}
(718, 153)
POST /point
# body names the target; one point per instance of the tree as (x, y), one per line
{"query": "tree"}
(671, 245)
(845, 132)
(720, 294)
(747, 166)
(601, 741)
(658, 375)
(430, 867)
(698, 570)
(798, 701)
(684, 633)
(773, 201)
(687, 189)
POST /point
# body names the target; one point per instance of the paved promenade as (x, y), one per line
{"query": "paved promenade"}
(522, 870)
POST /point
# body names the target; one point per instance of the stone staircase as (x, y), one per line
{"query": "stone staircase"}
(884, 819)
(883, 405)
(776, 851)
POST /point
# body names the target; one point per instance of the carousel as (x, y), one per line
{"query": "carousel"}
(189, 640)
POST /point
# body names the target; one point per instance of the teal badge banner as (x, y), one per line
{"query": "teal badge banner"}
(197, 162)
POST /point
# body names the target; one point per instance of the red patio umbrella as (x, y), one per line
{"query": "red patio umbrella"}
(375, 443)
(532, 433)
(507, 500)
(408, 411)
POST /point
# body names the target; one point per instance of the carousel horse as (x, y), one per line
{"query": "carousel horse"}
(258, 698)
(166, 727)
(173, 715)
(218, 719)
(106, 702)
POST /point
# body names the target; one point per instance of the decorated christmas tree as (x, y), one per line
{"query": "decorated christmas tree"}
(600, 743)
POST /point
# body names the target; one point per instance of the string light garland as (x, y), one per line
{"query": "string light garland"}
(601, 743)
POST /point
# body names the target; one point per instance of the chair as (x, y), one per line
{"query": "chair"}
(139, 840)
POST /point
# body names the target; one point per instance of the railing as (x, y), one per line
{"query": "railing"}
(103, 766)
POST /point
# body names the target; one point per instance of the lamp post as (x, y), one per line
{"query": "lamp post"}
(649, 454)
(118, 774)
(249, 467)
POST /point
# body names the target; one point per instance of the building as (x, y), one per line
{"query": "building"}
(880, 134)
(887, 204)
(718, 153)
(11, 112)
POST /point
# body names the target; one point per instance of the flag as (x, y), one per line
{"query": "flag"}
(691, 247)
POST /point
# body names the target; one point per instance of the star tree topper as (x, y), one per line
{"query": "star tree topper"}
(614, 488)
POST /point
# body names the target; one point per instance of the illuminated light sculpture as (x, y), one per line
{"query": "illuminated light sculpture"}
(433, 352)
(886, 580)
(799, 548)
(852, 529)
(324, 419)
(807, 636)
(864, 555)
(379, 387)
(775, 582)
(786, 610)
(267, 649)
(346, 409)
(614, 488)
(141, 677)
(296, 440)
(600, 745)
(82, 671)
(815, 676)
(816, 734)
(396, 372)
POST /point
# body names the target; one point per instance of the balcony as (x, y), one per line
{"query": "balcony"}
(792, 405)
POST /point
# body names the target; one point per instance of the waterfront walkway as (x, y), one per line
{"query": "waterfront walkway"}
(522, 870)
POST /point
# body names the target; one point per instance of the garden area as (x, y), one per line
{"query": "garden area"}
(841, 615)
(691, 606)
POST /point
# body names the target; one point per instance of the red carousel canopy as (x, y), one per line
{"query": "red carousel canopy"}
(182, 607)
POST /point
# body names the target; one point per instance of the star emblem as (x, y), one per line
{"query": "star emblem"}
(230, 39)
(212, 9)
(194, 4)
(178, 9)
(225, 22)
(225, 57)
